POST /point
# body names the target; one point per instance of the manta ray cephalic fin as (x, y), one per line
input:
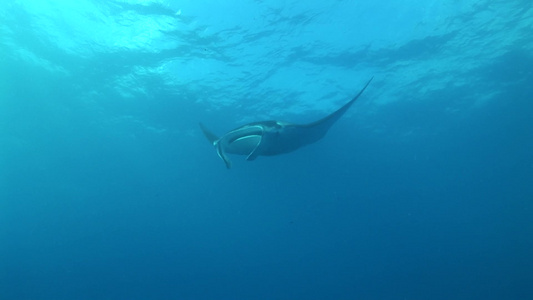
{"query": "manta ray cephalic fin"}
(255, 153)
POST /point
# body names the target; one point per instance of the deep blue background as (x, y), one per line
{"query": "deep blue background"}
(108, 190)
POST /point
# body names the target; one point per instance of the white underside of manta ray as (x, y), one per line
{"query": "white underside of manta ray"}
(269, 138)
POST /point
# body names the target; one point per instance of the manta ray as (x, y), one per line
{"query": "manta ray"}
(269, 138)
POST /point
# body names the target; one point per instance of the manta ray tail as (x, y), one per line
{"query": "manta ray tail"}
(208, 134)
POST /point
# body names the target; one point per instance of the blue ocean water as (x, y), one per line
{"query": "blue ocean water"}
(109, 190)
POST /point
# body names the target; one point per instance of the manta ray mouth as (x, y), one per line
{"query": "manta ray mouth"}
(245, 133)
(243, 138)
